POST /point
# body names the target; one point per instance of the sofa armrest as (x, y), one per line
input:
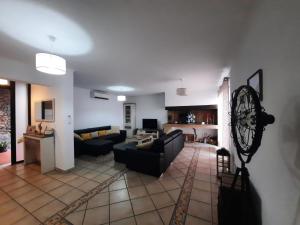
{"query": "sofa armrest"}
(123, 134)
(145, 162)
(78, 145)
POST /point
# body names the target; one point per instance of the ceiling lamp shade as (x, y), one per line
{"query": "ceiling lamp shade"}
(4, 82)
(51, 64)
(181, 91)
(121, 98)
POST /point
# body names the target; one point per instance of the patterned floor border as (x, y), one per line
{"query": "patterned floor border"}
(181, 208)
(58, 218)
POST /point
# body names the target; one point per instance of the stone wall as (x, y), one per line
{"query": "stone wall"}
(5, 115)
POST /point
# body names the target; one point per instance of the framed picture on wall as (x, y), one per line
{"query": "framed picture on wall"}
(256, 81)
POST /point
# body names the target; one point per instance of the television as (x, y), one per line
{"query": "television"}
(149, 123)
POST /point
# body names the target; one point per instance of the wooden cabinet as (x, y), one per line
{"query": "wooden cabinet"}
(39, 149)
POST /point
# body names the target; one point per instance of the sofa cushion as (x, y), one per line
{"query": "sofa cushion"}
(102, 133)
(94, 134)
(98, 142)
(146, 145)
(86, 136)
(89, 130)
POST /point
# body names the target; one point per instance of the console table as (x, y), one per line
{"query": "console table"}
(39, 148)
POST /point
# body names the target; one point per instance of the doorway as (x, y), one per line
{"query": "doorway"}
(6, 123)
(13, 98)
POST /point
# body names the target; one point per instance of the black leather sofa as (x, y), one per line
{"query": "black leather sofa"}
(153, 161)
(97, 146)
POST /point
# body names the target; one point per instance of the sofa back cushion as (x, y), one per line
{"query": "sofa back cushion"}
(102, 132)
(89, 130)
(86, 136)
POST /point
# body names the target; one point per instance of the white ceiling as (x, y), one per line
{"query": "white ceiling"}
(145, 44)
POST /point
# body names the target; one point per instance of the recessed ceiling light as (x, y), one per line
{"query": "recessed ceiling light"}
(4, 82)
(120, 88)
(121, 98)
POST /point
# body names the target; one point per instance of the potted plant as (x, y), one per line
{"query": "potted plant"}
(3, 146)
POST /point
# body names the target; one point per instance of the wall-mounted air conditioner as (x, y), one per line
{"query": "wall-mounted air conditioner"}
(99, 94)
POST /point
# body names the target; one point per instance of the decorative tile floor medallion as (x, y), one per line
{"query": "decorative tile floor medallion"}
(180, 211)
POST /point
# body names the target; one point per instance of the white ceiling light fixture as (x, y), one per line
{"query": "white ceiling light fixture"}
(4, 82)
(120, 88)
(121, 98)
(49, 63)
(181, 91)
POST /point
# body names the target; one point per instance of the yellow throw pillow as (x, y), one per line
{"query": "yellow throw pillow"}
(109, 132)
(102, 132)
(86, 136)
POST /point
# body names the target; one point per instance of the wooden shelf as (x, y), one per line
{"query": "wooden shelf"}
(168, 126)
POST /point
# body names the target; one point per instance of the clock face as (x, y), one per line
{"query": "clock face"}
(245, 120)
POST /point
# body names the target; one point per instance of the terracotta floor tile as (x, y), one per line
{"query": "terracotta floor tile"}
(52, 185)
(166, 214)
(14, 186)
(120, 210)
(4, 198)
(133, 181)
(205, 186)
(150, 218)
(175, 194)
(146, 179)
(119, 196)
(71, 196)
(88, 186)
(200, 210)
(27, 220)
(76, 218)
(117, 185)
(155, 187)
(38, 202)
(101, 178)
(48, 210)
(61, 190)
(96, 216)
(8, 206)
(22, 190)
(28, 196)
(142, 205)
(91, 174)
(190, 220)
(202, 196)
(67, 177)
(137, 192)
(98, 200)
(13, 216)
(82, 207)
(169, 184)
(162, 200)
(127, 221)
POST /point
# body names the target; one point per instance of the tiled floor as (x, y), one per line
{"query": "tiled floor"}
(27, 197)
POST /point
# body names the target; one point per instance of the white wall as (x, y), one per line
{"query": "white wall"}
(194, 97)
(150, 107)
(21, 116)
(91, 112)
(61, 88)
(272, 43)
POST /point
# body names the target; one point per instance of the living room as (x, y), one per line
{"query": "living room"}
(155, 82)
